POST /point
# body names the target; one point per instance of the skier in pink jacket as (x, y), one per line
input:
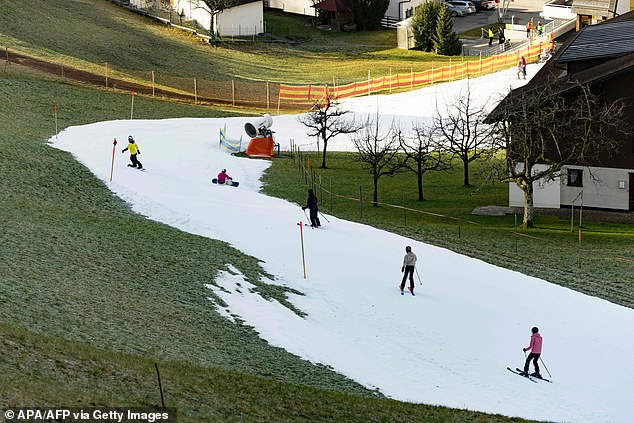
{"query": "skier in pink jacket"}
(535, 348)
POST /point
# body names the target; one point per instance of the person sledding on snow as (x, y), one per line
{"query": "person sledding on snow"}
(223, 178)
(311, 204)
(134, 150)
(409, 264)
(535, 348)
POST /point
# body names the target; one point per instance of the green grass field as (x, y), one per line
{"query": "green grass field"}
(92, 295)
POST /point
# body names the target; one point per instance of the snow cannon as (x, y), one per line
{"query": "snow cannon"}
(262, 143)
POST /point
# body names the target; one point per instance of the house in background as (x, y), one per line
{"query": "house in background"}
(245, 18)
(601, 56)
(586, 12)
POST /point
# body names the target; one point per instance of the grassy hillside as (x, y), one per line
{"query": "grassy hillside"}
(96, 32)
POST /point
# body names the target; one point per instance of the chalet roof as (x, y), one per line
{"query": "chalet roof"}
(333, 5)
(607, 39)
(554, 71)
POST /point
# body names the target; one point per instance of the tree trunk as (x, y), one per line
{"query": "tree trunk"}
(465, 166)
(528, 206)
(323, 160)
(421, 196)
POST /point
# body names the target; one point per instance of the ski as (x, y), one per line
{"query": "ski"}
(521, 373)
(535, 377)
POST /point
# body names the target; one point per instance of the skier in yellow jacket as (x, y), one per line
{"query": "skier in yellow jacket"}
(134, 150)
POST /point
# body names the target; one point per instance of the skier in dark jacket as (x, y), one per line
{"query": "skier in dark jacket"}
(311, 204)
(409, 264)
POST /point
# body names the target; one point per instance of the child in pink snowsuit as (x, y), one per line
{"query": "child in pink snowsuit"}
(535, 348)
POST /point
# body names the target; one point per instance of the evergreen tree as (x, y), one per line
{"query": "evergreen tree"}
(424, 24)
(445, 40)
(368, 13)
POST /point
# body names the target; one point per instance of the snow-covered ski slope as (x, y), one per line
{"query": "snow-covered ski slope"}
(450, 345)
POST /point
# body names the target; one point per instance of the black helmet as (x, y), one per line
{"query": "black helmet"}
(408, 249)
(535, 329)
(130, 138)
(224, 170)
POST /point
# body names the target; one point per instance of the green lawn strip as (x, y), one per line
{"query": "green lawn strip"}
(599, 266)
(38, 370)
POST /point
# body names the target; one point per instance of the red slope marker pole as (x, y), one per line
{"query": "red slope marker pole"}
(301, 236)
(114, 145)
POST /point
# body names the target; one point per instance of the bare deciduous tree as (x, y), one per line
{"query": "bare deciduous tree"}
(326, 121)
(215, 7)
(378, 152)
(423, 153)
(463, 132)
(542, 131)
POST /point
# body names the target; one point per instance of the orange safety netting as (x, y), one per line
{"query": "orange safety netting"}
(450, 72)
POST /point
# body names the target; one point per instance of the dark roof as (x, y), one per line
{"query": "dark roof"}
(607, 39)
(333, 5)
(554, 71)
(235, 3)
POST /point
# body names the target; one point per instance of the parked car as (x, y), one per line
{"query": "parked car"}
(488, 4)
(454, 11)
(466, 6)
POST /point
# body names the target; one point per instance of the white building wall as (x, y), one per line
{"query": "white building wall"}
(545, 195)
(245, 20)
(602, 188)
(301, 7)
(396, 5)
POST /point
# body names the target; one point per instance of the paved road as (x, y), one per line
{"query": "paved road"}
(519, 11)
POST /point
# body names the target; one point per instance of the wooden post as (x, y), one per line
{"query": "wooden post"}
(331, 194)
(132, 106)
(233, 92)
(480, 66)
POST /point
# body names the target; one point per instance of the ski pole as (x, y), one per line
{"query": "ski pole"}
(540, 359)
(304, 210)
(419, 281)
(324, 217)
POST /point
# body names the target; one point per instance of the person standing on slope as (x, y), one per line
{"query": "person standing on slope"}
(535, 348)
(409, 264)
(134, 150)
(311, 204)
